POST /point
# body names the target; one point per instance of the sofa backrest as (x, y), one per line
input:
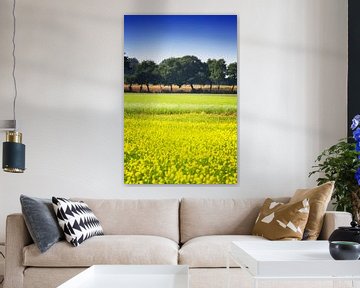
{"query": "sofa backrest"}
(200, 217)
(159, 217)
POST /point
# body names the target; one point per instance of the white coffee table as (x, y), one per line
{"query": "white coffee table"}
(285, 260)
(131, 276)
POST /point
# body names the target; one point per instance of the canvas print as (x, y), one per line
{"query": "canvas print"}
(180, 99)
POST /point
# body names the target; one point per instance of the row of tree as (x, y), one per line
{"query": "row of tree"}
(186, 70)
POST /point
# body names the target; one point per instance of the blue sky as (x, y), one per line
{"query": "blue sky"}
(156, 37)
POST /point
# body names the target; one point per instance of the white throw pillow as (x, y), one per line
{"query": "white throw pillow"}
(77, 220)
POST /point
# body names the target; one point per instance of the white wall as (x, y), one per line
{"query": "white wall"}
(293, 62)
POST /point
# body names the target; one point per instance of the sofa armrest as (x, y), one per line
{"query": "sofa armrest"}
(17, 237)
(333, 220)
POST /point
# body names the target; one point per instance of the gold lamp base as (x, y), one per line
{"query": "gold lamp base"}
(13, 170)
(13, 136)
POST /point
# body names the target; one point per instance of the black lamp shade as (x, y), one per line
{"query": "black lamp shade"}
(13, 157)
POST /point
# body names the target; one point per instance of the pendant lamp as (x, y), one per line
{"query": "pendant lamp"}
(13, 160)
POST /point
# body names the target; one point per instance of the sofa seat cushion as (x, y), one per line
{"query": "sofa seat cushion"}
(107, 249)
(211, 251)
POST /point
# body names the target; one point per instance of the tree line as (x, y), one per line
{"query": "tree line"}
(186, 70)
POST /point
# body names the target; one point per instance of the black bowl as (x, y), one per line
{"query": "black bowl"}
(344, 250)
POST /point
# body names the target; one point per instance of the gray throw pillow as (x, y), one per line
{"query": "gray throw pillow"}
(41, 221)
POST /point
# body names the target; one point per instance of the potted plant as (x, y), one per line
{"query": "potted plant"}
(341, 163)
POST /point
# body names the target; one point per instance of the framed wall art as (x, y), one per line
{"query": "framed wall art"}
(180, 99)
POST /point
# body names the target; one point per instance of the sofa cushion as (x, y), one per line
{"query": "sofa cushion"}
(107, 249)
(319, 198)
(158, 217)
(77, 220)
(41, 221)
(211, 251)
(279, 221)
(200, 217)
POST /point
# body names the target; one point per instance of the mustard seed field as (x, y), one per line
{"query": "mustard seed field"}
(180, 138)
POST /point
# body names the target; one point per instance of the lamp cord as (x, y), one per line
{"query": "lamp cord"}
(14, 61)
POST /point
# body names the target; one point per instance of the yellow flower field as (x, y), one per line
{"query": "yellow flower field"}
(177, 145)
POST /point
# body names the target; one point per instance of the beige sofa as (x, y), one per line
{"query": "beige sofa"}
(194, 232)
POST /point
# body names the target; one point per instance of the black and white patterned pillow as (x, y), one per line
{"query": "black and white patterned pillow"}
(77, 220)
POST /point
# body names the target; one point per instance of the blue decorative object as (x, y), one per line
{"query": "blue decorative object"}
(356, 134)
(357, 176)
(355, 122)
